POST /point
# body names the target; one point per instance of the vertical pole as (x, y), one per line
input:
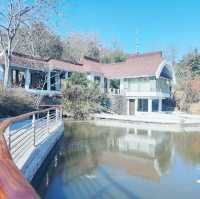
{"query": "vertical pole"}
(160, 104)
(61, 112)
(121, 86)
(49, 82)
(48, 122)
(34, 133)
(57, 114)
(102, 83)
(27, 78)
(66, 75)
(108, 85)
(127, 112)
(149, 132)
(136, 105)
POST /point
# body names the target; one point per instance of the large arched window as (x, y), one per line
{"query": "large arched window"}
(166, 73)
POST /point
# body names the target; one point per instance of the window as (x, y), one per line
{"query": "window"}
(143, 105)
(155, 105)
(18, 78)
(97, 79)
(38, 80)
(166, 73)
(105, 84)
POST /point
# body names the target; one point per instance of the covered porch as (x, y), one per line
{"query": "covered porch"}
(46, 82)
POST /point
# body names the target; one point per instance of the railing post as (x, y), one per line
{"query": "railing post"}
(57, 114)
(61, 112)
(34, 133)
(8, 136)
(48, 121)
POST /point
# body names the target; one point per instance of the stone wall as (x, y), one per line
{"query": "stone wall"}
(118, 104)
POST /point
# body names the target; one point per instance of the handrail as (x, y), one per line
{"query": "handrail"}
(13, 184)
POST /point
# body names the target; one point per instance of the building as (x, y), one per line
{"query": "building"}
(145, 80)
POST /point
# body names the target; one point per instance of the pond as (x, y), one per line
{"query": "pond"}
(102, 161)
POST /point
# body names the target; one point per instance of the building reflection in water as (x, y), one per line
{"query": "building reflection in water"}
(94, 161)
(140, 152)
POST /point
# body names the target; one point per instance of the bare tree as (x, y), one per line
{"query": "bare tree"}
(12, 16)
(78, 45)
(39, 41)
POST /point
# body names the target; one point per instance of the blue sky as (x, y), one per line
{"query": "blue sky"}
(160, 23)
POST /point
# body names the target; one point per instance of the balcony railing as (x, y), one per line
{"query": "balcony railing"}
(114, 91)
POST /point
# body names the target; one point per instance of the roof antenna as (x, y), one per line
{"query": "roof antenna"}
(137, 45)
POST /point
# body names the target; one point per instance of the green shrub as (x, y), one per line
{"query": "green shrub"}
(81, 96)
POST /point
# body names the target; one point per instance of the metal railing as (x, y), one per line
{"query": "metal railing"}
(114, 91)
(19, 136)
(35, 130)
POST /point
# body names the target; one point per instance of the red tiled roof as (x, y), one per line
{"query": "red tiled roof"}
(136, 65)
(65, 65)
(25, 60)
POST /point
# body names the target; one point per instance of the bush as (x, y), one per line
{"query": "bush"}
(15, 102)
(81, 96)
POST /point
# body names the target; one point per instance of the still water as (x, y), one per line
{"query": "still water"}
(98, 161)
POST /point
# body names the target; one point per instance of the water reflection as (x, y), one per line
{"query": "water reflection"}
(98, 161)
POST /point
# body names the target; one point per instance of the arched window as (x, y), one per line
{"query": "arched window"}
(166, 73)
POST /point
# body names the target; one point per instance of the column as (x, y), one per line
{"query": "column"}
(136, 105)
(121, 86)
(102, 83)
(9, 77)
(90, 77)
(149, 105)
(108, 85)
(149, 133)
(127, 111)
(27, 78)
(136, 131)
(66, 75)
(160, 105)
(48, 81)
